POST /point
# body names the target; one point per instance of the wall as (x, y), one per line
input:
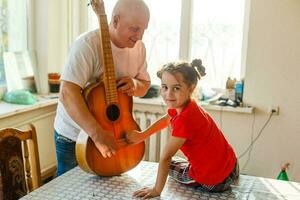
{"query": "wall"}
(272, 74)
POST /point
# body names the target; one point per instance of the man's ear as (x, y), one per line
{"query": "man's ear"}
(116, 20)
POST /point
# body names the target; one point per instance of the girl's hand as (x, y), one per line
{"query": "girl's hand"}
(134, 137)
(146, 193)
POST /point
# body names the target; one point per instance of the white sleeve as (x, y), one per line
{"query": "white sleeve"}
(80, 64)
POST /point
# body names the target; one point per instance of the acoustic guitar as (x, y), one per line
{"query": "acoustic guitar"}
(112, 110)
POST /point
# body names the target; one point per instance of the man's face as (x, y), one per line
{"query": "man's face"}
(128, 30)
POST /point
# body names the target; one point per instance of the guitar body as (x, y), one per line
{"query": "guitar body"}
(116, 118)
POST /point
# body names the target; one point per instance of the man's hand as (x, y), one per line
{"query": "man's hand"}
(105, 143)
(146, 193)
(127, 85)
(134, 137)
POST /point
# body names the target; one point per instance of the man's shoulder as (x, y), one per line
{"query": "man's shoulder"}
(90, 37)
(140, 45)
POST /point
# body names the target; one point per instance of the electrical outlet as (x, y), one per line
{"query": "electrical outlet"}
(274, 110)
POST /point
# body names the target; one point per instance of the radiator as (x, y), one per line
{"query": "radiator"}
(156, 142)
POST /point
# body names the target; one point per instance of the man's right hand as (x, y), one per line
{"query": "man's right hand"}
(105, 143)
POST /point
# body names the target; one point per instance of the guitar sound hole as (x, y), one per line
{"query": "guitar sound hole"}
(113, 112)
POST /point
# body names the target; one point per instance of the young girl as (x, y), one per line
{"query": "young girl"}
(212, 164)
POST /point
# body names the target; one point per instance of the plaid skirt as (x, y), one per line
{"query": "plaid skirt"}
(179, 171)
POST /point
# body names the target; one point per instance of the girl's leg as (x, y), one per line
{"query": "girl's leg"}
(65, 153)
(225, 185)
(179, 171)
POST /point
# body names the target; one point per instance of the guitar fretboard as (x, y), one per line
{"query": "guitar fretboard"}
(109, 77)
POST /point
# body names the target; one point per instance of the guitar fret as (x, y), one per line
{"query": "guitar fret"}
(111, 83)
(110, 63)
(111, 74)
(110, 71)
(111, 100)
(111, 97)
(112, 89)
(111, 80)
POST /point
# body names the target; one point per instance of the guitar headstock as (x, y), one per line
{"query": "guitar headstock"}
(98, 7)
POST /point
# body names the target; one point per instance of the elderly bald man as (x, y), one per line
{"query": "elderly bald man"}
(129, 21)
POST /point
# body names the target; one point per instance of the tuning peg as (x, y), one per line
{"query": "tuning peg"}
(90, 3)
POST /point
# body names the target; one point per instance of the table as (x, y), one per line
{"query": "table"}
(77, 184)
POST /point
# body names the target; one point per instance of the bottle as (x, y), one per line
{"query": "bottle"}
(230, 89)
(230, 83)
(239, 89)
(283, 175)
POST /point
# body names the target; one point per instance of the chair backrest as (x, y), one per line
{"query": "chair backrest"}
(19, 162)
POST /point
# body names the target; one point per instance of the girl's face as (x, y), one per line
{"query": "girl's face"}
(175, 91)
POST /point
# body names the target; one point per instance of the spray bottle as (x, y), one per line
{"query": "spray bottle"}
(283, 175)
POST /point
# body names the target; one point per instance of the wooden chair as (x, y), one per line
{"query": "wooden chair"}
(19, 162)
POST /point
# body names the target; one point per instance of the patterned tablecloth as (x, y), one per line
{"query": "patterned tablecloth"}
(76, 184)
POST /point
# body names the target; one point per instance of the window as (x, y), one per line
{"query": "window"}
(163, 34)
(13, 29)
(187, 29)
(3, 38)
(217, 31)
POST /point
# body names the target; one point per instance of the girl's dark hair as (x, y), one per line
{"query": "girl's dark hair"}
(191, 72)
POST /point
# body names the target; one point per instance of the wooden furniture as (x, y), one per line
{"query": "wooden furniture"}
(77, 184)
(20, 171)
(41, 115)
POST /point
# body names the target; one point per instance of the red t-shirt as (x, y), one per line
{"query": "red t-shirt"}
(210, 155)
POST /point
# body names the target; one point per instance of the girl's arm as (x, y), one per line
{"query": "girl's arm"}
(135, 136)
(171, 148)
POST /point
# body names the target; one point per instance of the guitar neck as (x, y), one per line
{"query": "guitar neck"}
(105, 53)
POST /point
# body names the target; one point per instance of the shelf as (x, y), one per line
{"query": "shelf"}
(159, 102)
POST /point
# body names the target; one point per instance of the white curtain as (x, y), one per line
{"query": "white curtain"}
(17, 25)
(77, 18)
(13, 29)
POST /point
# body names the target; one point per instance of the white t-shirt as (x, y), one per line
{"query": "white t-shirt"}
(83, 67)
